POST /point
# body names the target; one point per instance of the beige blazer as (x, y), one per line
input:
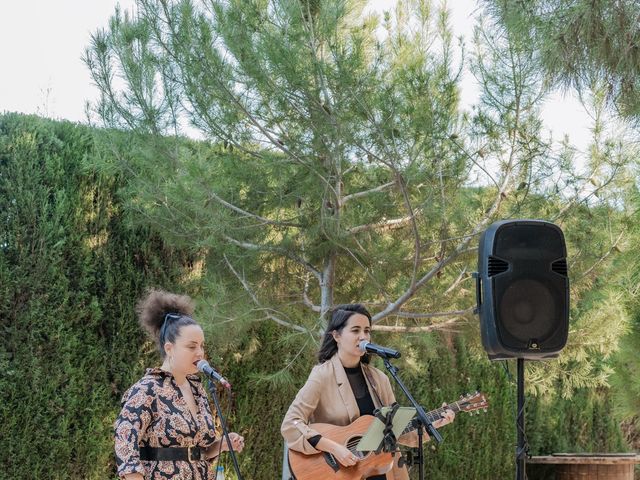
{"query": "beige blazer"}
(327, 397)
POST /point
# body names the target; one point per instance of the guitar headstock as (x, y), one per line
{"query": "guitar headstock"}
(472, 402)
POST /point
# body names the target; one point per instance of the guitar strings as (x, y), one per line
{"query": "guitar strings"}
(432, 416)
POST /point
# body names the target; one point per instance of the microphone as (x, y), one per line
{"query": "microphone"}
(383, 352)
(207, 369)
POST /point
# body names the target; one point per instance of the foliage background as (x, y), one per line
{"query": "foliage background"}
(72, 263)
(71, 266)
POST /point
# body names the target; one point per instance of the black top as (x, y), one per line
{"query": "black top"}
(360, 390)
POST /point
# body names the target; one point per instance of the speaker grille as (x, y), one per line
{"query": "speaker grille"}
(496, 266)
(528, 312)
(560, 267)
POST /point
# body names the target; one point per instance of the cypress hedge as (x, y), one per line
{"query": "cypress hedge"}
(71, 267)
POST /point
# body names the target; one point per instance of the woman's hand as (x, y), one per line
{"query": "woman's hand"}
(237, 442)
(344, 455)
(447, 418)
(341, 453)
(221, 445)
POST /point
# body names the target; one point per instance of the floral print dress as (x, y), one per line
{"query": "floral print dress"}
(155, 414)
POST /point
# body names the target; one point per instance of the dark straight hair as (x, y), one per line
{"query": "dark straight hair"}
(339, 317)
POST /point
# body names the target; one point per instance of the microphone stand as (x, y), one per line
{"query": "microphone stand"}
(225, 431)
(420, 422)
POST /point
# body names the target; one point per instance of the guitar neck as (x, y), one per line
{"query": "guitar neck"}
(434, 415)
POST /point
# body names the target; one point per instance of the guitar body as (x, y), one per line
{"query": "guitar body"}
(321, 466)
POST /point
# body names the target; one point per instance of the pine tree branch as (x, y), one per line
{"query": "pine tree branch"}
(254, 297)
(590, 180)
(305, 297)
(353, 196)
(613, 247)
(280, 251)
(422, 329)
(398, 223)
(455, 313)
(263, 220)
(463, 246)
(383, 225)
(414, 225)
(456, 282)
(251, 119)
(372, 278)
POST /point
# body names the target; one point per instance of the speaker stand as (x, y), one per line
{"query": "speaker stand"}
(522, 447)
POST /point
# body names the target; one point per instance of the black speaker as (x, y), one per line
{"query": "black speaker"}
(523, 290)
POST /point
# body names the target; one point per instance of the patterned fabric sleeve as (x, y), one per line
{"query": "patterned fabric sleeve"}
(130, 426)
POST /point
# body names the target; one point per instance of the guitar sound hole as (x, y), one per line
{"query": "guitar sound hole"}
(352, 443)
(331, 461)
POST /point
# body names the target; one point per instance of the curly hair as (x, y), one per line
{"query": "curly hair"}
(162, 314)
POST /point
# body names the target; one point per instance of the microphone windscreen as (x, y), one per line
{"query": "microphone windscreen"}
(202, 365)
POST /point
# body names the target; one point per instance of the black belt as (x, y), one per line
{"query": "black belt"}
(187, 454)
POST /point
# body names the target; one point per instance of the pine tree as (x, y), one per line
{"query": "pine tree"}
(336, 165)
(582, 43)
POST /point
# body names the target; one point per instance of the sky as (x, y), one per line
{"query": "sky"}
(42, 42)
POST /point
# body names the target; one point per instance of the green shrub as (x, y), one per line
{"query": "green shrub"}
(71, 268)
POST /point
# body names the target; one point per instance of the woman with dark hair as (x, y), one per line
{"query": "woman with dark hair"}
(165, 429)
(341, 388)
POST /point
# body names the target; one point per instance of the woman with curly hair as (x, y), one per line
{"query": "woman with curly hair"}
(165, 429)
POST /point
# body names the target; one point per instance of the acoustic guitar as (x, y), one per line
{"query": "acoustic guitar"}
(323, 465)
